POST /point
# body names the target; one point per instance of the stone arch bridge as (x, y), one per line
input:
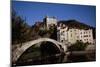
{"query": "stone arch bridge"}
(16, 53)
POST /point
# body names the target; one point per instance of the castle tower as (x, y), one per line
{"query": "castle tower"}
(50, 21)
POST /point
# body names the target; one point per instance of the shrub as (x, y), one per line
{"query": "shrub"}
(78, 46)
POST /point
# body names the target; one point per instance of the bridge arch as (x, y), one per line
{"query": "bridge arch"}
(19, 51)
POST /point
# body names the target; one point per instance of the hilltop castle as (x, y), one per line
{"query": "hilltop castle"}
(49, 22)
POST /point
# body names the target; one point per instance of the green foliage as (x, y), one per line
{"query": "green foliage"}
(42, 32)
(78, 46)
(20, 29)
(54, 33)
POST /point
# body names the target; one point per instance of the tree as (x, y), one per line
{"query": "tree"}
(20, 29)
(78, 46)
(53, 32)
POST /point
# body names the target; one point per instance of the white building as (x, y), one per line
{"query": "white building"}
(86, 36)
(73, 35)
(50, 21)
(62, 35)
(66, 35)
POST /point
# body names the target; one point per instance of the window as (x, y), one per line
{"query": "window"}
(71, 35)
(61, 40)
(89, 31)
(81, 36)
(85, 35)
(89, 35)
(74, 30)
(77, 36)
(62, 33)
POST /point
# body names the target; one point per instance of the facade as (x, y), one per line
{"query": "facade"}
(86, 36)
(50, 21)
(62, 35)
(73, 35)
(67, 35)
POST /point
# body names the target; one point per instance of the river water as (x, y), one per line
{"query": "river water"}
(58, 58)
(48, 54)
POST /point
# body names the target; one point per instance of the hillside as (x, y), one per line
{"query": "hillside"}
(75, 24)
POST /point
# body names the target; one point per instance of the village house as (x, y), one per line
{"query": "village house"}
(72, 35)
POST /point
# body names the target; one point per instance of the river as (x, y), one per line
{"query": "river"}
(58, 58)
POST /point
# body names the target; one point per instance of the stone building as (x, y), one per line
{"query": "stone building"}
(86, 36)
(72, 35)
(49, 22)
(62, 34)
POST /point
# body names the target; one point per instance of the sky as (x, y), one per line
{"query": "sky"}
(36, 11)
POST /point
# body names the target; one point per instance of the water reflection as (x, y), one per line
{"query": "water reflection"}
(36, 56)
